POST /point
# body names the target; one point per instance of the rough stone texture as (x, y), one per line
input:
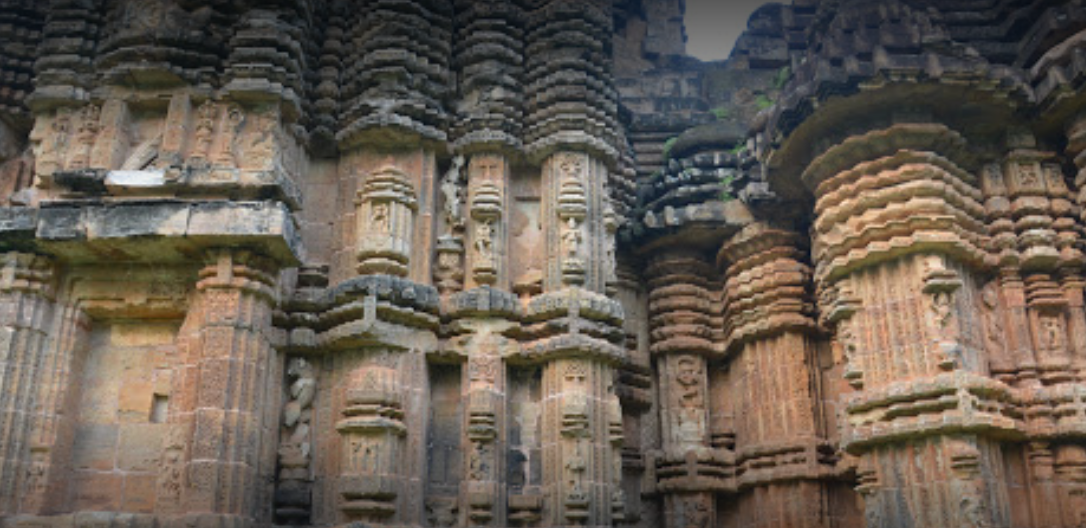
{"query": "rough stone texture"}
(522, 263)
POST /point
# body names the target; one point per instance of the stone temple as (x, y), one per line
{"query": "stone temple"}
(524, 263)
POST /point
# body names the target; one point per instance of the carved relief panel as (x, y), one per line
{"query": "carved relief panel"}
(386, 208)
(488, 177)
(576, 223)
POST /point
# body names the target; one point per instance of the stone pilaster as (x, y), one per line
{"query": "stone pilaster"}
(573, 215)
(783, 456)
(383, 328)
(59, 388)
(900, 229)
(687, 470)
(26, 311)
(231, 360)
(482, 317)
(371, 480)
(488, 221)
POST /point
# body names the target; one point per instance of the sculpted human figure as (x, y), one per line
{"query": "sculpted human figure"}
(571, 239)
(1052, 333)
(450, 189)
(379, 218)
(484, 239)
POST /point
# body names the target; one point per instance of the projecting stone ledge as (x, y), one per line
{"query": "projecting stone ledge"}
(150, 231)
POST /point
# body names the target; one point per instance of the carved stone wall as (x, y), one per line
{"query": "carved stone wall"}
(523, 263)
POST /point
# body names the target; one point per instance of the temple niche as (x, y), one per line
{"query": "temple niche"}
(524, 263)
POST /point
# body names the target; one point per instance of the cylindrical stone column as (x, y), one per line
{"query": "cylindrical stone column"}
(680, 309)
(900, 230)
(780, 429)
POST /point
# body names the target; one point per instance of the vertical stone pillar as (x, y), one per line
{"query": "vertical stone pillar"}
(580, 348)
(578, 448)
(54, 425)
(232, 358)
(481, 317)
(780, 428)
(26, 310)
(900, 228)
(679, 314)
(372, 426)
(573, 210)
(1076, 150)
(487, 232)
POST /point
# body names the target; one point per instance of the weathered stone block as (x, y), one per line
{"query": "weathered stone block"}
(95, 447)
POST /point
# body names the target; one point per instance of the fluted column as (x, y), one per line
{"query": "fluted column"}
(783, 457)
(58, 390)
(26, 311)
(230, 361)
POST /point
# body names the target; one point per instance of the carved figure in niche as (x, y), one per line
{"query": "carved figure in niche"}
(205, 129)
(1029, 175)
(88, 129)
(965, 462)
(941, 308)
(993, 326)
(379, 218)
(483, 369)
(695, 513)
(610, 225)
(263, 140)
(302, 390)
(449, 269)
(846, 335)
(1052, 333)
(54, 146)
(450, 189)
(484, 240)
(688, 376)
(973, 510)
(575, 402)
(479, 463)
(36, 472)
(691, 401)
(571, 238)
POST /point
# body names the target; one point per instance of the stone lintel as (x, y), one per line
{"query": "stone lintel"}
(150, 231)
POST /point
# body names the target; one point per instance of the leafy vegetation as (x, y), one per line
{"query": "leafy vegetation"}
(726, 191)
(667, 146)
(782, 77)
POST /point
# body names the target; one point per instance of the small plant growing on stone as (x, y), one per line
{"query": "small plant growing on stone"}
(782, 77)
(667, 146)
(726, 191)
